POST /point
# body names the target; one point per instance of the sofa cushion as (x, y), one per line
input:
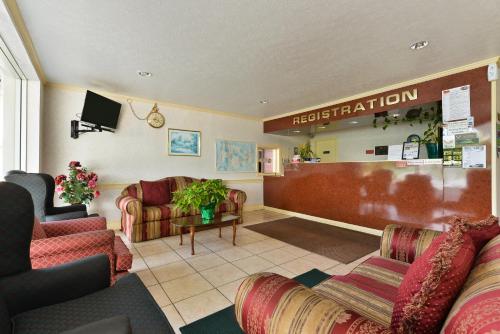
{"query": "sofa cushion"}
(160, 212)
(370, 289)
(123, 257)
(483, 231)
(432, 283)
(38, 231)
(477, 309)
(155, 192)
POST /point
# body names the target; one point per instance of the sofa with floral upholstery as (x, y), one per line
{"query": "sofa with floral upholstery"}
(146, 207)
(423, 282)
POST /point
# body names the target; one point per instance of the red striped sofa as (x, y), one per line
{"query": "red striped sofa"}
(362, 301)
(141, 223)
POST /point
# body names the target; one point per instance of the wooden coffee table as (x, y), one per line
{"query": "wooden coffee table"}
(195, 223)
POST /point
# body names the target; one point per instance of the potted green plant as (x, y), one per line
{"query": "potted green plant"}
(432, 135)
(305, 152)
(201, 195)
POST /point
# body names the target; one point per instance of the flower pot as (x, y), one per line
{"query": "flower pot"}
(433, 151)
(207, 211)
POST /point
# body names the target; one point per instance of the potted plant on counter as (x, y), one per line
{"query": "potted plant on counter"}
(432, 135)
(305, 152)
(201, 195)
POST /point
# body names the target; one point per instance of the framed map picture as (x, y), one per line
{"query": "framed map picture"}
(184, 142)
(235, 156)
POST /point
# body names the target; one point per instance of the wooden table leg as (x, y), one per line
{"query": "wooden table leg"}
(192, 240)
(220, 232)
(234, 232)
(181, 236)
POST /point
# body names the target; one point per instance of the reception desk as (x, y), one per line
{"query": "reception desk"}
(375, 194)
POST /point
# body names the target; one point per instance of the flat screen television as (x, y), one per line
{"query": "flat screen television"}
(100, 111)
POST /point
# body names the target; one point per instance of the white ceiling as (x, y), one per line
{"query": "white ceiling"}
(230, 54)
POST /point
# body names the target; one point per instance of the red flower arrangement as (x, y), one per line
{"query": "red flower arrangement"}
(79, 187)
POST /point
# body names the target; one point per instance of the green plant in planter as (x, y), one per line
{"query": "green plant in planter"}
(434, 119)
(202, 195)
(305, 151)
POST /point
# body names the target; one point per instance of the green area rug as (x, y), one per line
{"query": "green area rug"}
(224, 321)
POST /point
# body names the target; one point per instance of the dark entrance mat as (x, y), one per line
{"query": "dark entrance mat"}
(224, 321)
(337, 243)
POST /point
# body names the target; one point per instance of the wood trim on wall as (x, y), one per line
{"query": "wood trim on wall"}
(121, 186)
(399, 85)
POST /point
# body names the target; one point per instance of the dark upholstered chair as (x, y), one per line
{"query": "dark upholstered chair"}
(71, 298)
(41, 188)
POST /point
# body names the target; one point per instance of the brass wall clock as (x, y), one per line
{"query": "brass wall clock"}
(155, 118)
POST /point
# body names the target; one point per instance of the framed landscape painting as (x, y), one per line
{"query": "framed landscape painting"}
(235, 156)
(184, 142)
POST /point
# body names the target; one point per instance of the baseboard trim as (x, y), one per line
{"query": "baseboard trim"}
(327, 221)
(252, 207)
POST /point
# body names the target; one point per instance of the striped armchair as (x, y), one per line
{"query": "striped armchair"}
(141, 223)
(362, 301)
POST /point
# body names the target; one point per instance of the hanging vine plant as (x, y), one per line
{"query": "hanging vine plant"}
(433, 117)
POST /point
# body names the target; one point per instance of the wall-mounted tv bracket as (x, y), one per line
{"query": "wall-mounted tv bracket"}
(75, 130)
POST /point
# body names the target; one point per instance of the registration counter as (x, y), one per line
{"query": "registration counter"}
(373, 194)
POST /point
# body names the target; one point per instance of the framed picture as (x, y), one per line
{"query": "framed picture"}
(411, 150)
(184, 142)
(235, 156)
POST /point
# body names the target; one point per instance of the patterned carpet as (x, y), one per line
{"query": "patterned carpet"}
(339, 244)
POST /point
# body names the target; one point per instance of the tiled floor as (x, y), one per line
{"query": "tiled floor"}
(188, 287)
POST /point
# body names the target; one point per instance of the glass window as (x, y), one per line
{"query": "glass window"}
(11, 112)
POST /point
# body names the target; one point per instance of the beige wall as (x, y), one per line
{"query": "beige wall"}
(138, 152)
(352, 143)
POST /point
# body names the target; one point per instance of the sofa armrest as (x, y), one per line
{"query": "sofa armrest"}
(405, 243)
(129, 205)
(238, 197)
(270, 303)
(42, 287)
(72, 226)
(79, 243)
(65, 216)
(56, 210)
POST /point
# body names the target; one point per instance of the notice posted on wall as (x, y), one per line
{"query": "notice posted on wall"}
(474, 156)
(395, 152)
(456, 103)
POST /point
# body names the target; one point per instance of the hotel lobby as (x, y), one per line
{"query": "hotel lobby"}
(229, 167)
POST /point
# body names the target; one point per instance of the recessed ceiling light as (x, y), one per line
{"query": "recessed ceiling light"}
(144, 74)
(296, 131)
(354, 122)
(263, 101)
(419, 45)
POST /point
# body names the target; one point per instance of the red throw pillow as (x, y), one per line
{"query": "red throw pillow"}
(155, 192)
(483, 231)
(432, 283)
(38, 232)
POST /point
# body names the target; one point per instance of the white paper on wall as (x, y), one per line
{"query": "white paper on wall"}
(474, 156)
(456, 103)
(394, 152)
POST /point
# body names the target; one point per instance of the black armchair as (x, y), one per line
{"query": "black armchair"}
(42, 188)
(71, 298)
